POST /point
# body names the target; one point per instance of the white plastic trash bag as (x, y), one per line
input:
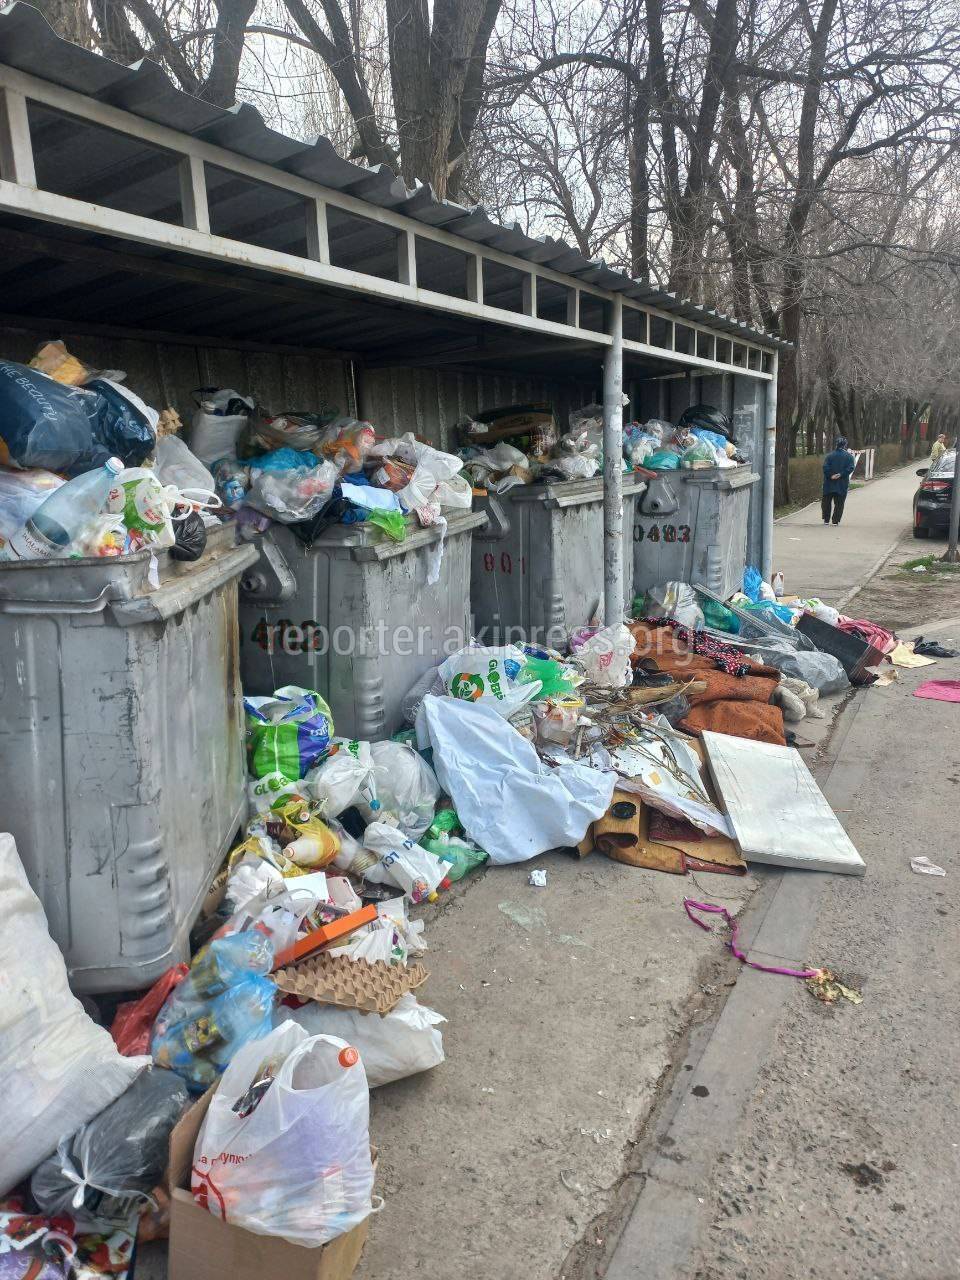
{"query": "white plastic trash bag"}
(58, 1069)
(403, 1042)
(606, 656)
(489, 674)
(343, 777)
(285, 1145)
(403, 862)
(405, 788)
(507, 800)
(214, 433)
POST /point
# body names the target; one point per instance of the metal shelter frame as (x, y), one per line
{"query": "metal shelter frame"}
(150, 192)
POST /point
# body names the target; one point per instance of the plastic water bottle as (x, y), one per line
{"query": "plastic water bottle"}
(62, 517)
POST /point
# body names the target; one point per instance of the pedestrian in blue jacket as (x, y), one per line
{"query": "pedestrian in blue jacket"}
(837, 470)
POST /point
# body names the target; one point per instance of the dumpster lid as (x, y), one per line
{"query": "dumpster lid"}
(569, 493)
(739, 477)
(366, 542)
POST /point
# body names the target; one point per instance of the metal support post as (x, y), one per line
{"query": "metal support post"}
(951, 556)
(613, 469)
(769, 471)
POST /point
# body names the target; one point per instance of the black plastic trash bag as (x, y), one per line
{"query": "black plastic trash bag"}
(114, 1160)
(44, 423)
(190, 538)
(709, 417)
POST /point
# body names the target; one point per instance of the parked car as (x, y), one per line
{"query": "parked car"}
(931, 502)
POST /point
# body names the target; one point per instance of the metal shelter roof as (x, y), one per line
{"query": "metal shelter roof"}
(103, 164)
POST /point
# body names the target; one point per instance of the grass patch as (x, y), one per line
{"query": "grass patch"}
(932, 567)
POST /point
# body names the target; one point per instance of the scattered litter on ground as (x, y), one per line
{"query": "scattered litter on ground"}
(538, 878)
(824, 985)
(924, 867)
(939, 690)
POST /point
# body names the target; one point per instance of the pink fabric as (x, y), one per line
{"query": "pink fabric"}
(689, 905)
(939, 690)
(881, 639)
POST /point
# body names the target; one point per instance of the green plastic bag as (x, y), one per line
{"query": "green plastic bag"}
(663, 460)
(393, 523)
(444, 821)
(288, 733)
(718, 616)
(558, 680)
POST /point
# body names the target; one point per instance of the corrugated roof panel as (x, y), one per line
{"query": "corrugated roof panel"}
(28, 44)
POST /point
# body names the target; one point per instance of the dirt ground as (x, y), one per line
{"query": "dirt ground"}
(902, 598)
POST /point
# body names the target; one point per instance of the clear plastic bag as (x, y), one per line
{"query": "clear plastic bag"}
(674, 600)
(115, 1159)
(21, 492)
(175, 464)
(285, 1145)
(293, 493)
(405, 787)
(342, 778)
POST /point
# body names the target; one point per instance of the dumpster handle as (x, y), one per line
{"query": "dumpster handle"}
(498, 522)
(270, 578)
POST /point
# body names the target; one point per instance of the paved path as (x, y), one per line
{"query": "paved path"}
(817, 559)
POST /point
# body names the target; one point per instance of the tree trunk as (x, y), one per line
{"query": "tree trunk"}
(69, 19)
(220, 86)
(639, 146)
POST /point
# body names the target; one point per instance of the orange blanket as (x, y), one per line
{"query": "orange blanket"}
(737, 705)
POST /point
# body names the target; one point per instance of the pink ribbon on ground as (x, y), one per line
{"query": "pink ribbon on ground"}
(690, 906)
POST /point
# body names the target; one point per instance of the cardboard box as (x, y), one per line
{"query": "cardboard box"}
(202, 1247)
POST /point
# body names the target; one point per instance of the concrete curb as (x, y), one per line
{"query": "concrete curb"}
(700, 1117)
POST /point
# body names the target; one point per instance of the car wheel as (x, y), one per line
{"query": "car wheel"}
(921, 531)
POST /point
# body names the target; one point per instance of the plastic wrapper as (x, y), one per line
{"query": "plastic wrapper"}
(189, 537)
(134, 1019)
(404, 1042)
(430, 682)
(576, 466)
(291, 430)
(393, 474)
(290, 491)
(71, 430)
(347, 443)
(116, 1158)
(392, 523)
(53, 359)
(315, 845)
(489, 674)
(405, 787)
(21, 493)
(752, 582)
(287, 733)
(285, 1145)
(674, 600)
(403, 862)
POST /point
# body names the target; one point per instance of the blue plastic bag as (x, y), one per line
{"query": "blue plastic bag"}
(284, 460)
(784, 613)
(225, 1000)
(711, 437)
(752, 582)
(288, 733)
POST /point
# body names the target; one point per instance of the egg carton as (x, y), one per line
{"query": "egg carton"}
(370, 986)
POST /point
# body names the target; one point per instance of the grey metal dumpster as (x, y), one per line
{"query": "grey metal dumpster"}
(121, 749)
(537, 570)
(691, 526)
(353, 617)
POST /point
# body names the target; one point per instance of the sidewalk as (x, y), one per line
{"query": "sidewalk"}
(819, 560)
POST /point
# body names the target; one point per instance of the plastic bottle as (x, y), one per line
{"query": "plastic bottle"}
(61, 519)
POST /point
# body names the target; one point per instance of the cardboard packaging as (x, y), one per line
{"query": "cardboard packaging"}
(202, 1247)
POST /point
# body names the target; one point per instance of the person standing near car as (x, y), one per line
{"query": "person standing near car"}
(837, 470)
(938, 450)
